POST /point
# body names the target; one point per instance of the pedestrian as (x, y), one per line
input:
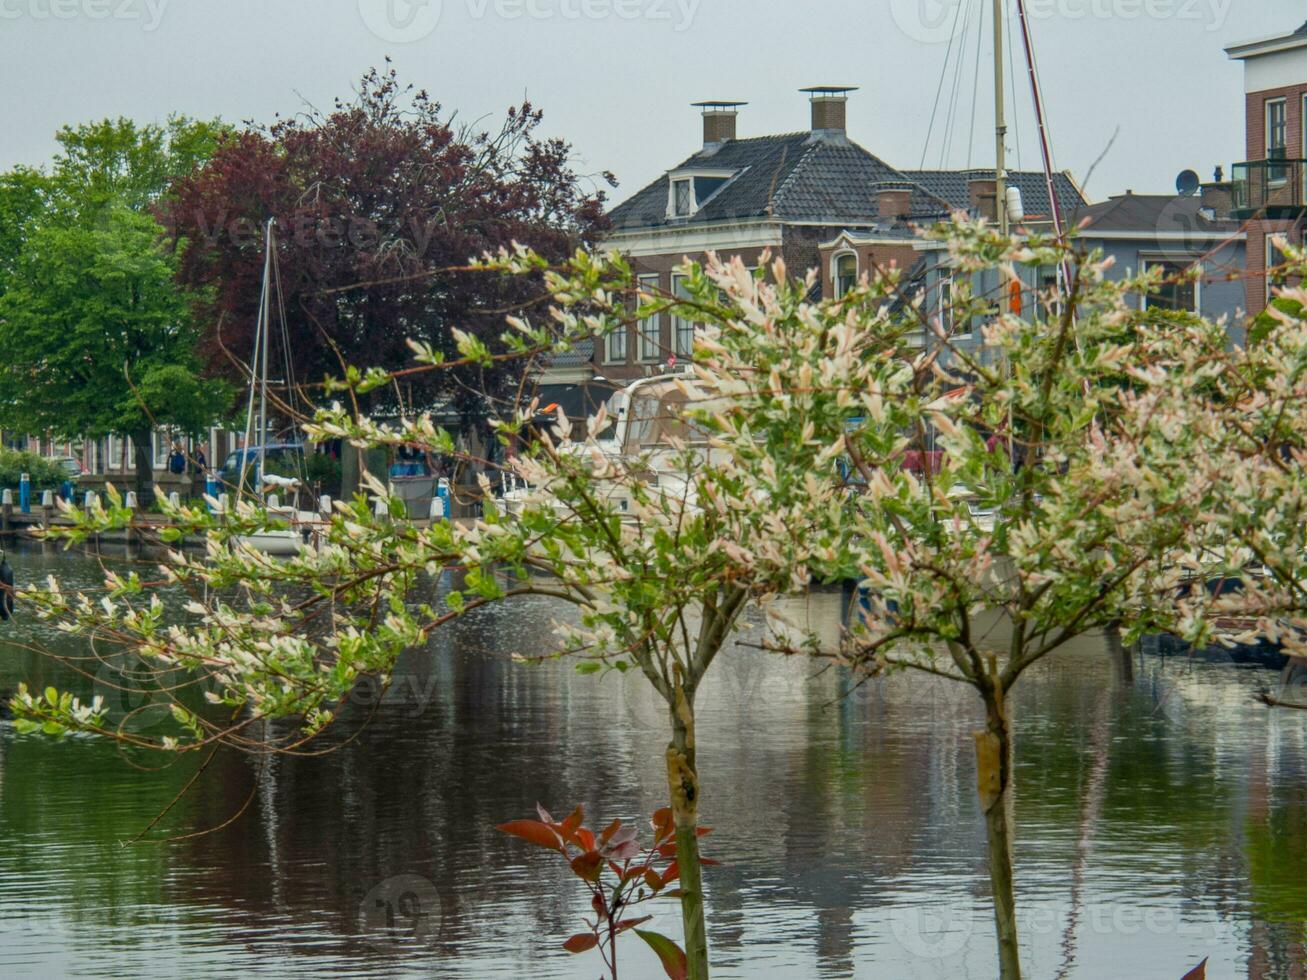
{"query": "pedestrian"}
(177, 460)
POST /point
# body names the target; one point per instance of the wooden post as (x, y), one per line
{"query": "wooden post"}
(7, 512)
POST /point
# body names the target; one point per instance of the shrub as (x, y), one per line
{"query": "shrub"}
(45, 474)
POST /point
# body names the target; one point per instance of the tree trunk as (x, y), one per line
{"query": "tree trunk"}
(683, 785)
(144, 459)
(994, 782)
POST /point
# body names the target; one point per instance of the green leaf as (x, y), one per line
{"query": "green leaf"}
(673, 959)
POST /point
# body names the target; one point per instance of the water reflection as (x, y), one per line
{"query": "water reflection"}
(1162, 819)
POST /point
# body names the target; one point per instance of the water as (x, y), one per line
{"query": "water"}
(1161, 820)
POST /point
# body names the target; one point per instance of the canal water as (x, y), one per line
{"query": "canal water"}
(1162, 820)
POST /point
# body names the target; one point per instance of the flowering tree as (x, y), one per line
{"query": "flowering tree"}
(1065, 501)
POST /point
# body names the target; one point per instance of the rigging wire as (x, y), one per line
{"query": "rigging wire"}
(951, 120)
(939, 90)
(975, 85)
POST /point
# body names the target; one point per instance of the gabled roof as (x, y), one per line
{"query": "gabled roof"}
(951, 185)
(821, 177)
(1162, 214)
(805, 176)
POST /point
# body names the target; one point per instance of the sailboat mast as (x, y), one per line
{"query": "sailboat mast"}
(1000, 125)
(263, 364)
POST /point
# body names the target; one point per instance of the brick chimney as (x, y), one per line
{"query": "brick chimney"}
(983, 193)
(829, 108)
(719, 121)
(893, 201)
(1218, 196)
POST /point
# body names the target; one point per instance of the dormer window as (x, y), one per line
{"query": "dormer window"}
(682, 197)
(690, 190)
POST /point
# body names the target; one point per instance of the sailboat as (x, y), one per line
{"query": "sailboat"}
(267, 486)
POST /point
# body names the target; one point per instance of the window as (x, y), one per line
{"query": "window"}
(615, 345)
(1177, 291)
(1277, 137)
(682, 197)
(682, 329)
(650, 328)
(946, 318)
(846, 274)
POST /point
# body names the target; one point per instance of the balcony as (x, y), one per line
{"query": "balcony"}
(1270, 188)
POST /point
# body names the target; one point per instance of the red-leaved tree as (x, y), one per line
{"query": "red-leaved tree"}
(378, 202)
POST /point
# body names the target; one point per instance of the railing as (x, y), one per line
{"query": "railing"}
(1272, 188)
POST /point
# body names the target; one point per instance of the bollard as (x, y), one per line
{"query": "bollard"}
(25, 494)
(324, 505)
(6, 510)
(437, 508)
(222, 503)
(66, 491)
(210, 485)
(442, 492)
(273, 501)
(174, 499)
(130, 501)
(379, 507)
(92, 498)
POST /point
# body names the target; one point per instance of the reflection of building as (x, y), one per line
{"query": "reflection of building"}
(1270, 186)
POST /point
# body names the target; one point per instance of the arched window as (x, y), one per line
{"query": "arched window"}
(846, 273)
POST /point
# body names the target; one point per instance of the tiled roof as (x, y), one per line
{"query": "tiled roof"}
(1152, 213)
(795, 177)
(952, 186)
(823, 177)
(579, 356)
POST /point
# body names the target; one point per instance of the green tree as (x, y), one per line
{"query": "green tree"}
(118, 162)
(98, 338)
(1086, 514)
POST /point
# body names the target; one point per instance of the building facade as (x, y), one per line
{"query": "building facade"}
(816, 199)
(1270, 185)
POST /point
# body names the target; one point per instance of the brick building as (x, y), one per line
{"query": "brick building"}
(815, 198)
(1270, 186)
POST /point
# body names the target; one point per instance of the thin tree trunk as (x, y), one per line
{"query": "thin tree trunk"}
(683, 785)
(144, 458)
(994, 782)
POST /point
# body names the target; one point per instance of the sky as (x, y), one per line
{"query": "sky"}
(1142, 84)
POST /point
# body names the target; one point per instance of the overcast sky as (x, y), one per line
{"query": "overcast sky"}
(615, 77)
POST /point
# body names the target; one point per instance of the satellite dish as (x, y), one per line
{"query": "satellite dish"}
(1187, 184)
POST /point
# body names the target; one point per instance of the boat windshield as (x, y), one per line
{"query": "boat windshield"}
(657, 421)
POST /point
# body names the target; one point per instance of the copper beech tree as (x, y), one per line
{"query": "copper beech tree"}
(1066, 499)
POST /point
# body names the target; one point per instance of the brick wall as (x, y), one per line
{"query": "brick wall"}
(1255, 108)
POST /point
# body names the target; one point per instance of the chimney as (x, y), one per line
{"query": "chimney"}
(893, 201)
(1218, 197)
(829, 105)
(983, 193)
(719, 121)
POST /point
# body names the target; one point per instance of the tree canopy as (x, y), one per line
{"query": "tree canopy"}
(380, 204)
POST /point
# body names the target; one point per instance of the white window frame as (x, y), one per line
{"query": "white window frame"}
(944, 309)
(688, 176)
(1283, 105)
(1145, 262)
(673, 210)
(682, 329)
(649, 337)
(836, 259)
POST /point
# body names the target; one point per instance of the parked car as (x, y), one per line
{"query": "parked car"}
(71, 466)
